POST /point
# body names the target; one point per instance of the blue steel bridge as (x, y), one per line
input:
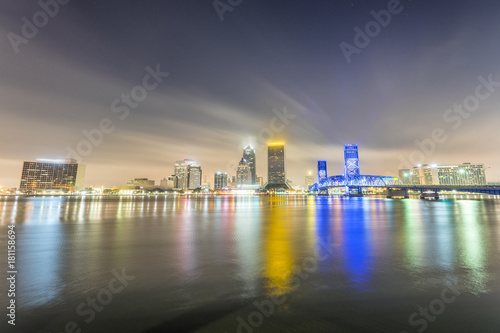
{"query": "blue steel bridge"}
(353, 182)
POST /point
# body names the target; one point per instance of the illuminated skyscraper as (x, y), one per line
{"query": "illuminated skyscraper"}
(180, 171)
(220, 180)
(63, 175)
(276, 172)
(244, 173)
(193, 175)
(188, 174)
(249, 156)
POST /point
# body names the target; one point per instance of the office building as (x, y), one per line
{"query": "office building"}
(141, 182)
(193, 175)
(48, 175)
(185, 180)
(309, 180)
(249, 156)
(454, 174)
(220, 180)
(243, 174)
(276, 171)
(169, 183)
(180, 172)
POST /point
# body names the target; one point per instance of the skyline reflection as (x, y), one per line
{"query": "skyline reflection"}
(250, 246)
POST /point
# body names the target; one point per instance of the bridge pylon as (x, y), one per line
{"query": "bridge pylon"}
(395, 192)
(358, 192)
(429, 195)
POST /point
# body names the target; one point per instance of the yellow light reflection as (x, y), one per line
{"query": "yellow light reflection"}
(278, 253)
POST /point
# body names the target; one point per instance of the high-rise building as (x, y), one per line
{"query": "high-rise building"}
(174, 180)
(182, 171)
(243, 174)
(309, 180)
(351, 159)
(249, 156)
(220, 180)
(276, 171)
(63, 175)
(193, 175)
(455, 174)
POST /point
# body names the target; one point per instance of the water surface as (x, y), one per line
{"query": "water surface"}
(255, 264)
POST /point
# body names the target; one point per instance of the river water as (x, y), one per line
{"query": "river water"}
(253, 264)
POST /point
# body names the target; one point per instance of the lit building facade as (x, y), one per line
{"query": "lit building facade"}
(188, 173)
(141, 182)
(180, 172)
(309, 180)
(220, 180)
(455, 174)
(244, 173)
(45, 175)
(249, 156)
(193, 175)
(276, 171)
(169, 183)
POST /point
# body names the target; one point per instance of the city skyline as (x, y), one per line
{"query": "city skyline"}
(184, 165)
(250, 165)
(420, 73)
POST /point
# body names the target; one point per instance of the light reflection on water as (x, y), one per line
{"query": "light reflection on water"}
(197, 249)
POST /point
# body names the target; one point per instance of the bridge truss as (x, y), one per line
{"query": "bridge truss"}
(355, 181)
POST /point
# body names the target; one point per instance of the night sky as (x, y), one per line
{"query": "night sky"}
(227, 76)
